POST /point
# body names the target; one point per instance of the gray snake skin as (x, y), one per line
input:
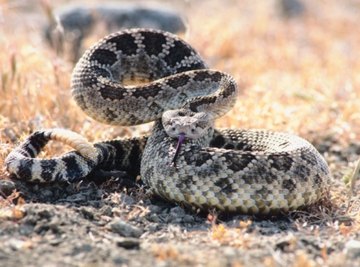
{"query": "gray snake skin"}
(245, 171)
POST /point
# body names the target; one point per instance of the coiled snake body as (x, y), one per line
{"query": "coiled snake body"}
(248, 171)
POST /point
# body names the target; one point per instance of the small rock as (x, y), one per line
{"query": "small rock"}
(177, 212)
(126, 200)
(124, 229)
(76, 198)
(155, 209)
(84, 248)
(352, 248)
(47, 194)
(26, 229)
(16, 244)
(128, 243)
(106, 211)
(152, 217)
(39, 212)
(119, 261)
(6, 187)
(55, 242)
(87, 213)
(151, 228)
(188, 219)
(175, 215)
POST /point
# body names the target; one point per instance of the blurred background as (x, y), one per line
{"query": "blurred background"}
(296, 62)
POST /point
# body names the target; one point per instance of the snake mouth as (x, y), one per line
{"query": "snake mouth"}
(181, 140)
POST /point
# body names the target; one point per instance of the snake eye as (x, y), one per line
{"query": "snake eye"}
(193, 130)
(173, 129)
(181, 114)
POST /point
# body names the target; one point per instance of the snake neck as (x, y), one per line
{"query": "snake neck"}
(159, 133)
(165, 150)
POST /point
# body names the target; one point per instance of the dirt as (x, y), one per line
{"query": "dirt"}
(289, 70)
(87, 224)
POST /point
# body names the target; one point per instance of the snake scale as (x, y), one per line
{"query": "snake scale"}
(184, 159)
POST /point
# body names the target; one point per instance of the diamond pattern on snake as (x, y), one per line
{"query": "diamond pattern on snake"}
(184, 159)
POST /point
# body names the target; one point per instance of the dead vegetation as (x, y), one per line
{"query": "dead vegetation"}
(298, 75)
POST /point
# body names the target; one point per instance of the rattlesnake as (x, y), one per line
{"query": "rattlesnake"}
(248, 171)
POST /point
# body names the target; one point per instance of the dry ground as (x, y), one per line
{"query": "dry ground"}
(299, 75)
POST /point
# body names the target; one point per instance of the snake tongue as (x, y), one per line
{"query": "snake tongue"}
(177, 150)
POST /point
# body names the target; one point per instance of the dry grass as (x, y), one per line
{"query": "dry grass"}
(301, 76)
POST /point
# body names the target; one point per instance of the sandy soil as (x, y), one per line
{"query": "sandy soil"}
(298, 74)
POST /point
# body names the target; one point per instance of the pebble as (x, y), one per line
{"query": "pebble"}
(16, 244)
(124, 229)
(47, 193)
(76, 198)
(155, 209)
(87, 213)
(6, 187)
(128, 243)
(126, 199)
(188, 219)
(152, 217)
(175, 215)
(26, 229)
(106, 211)
(352, 248)
(152, 227)
(177, 212)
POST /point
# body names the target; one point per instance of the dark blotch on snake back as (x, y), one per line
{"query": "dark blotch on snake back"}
(302, 172)
(218, 141)
(178, 81)
(110, 114)
(202, 76)
(25, 168)
(188, 181)
(281, 162)
(103, 56)
(243, 146)
(150, 91)
(112, 94)
(38, 140)
(124, 43)
(228, 91)
(135, 157)
(216, 77)
(202, 159)
(202, 101)
(225, 186)
(72, 167)
(318, 179)
(239, 164)
(289, 184)
(229, 146)
(48, 168)
(153, 42)
(177, 53)
(308, 157)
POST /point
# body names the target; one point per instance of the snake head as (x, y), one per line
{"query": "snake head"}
(192, 125)
(185, 124)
